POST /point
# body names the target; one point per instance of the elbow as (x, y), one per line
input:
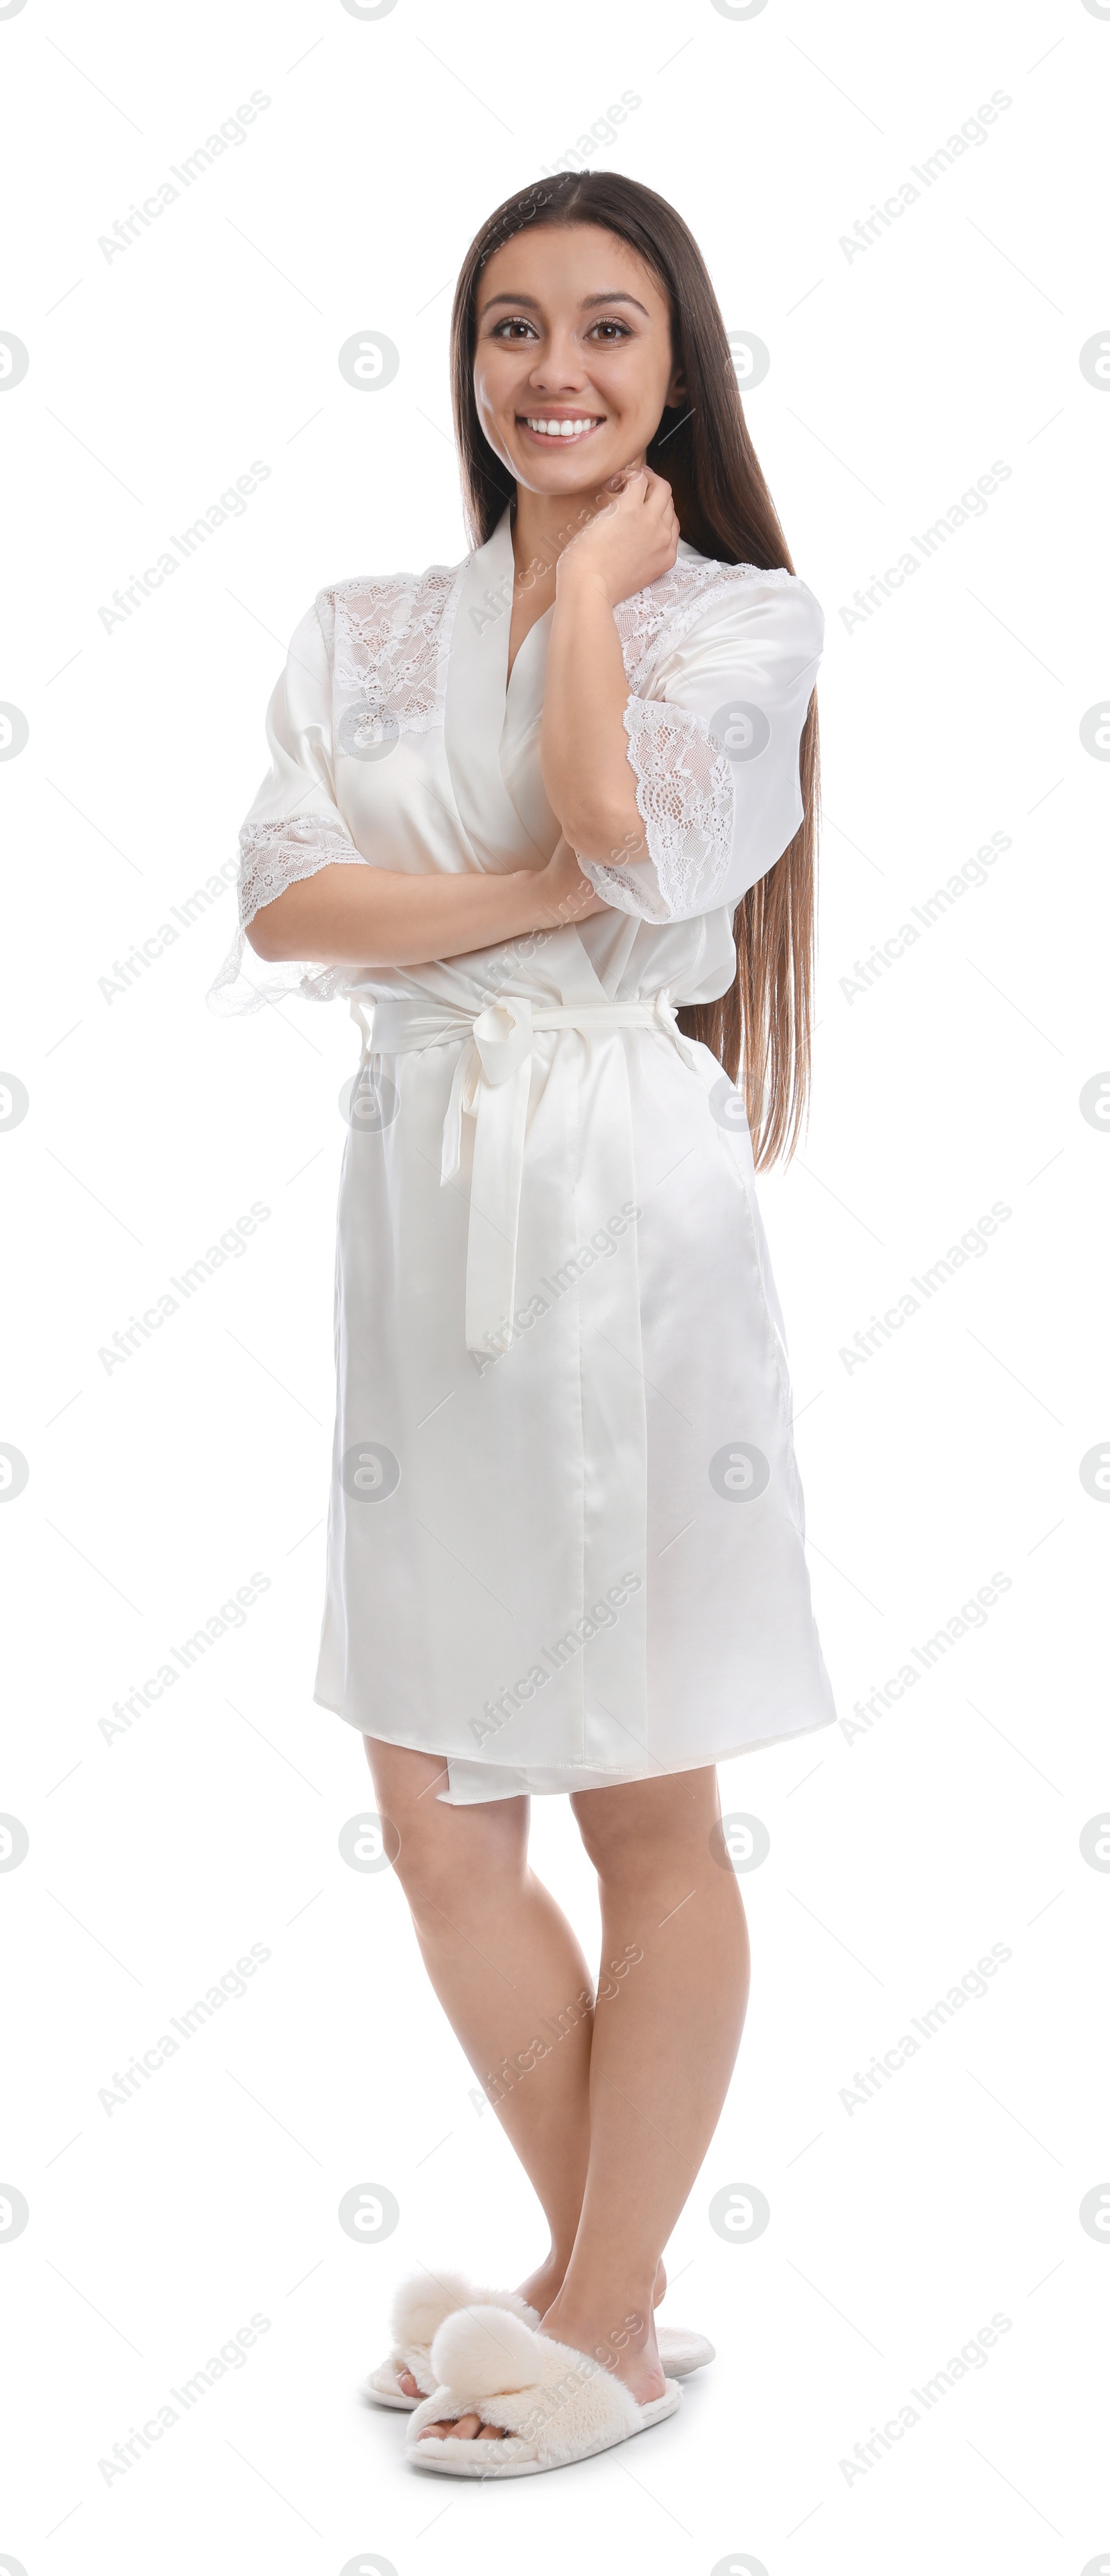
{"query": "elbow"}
(264, 936)
(607, 834)
(284, 927)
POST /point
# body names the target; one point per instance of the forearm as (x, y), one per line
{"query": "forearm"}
(583, 744)
(367, 916)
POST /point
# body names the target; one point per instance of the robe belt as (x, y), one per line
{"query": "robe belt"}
(492, 1082)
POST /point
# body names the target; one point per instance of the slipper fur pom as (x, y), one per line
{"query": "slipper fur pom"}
(423, 2301)
(487, 2352)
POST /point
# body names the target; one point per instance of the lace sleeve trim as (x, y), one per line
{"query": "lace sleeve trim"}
(275, 855)
(684, 792)
(284, 852)
(233, 992)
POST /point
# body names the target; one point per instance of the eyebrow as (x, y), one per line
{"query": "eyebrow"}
(530, 303)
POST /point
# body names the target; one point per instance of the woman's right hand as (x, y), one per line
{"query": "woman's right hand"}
(564, 896)
(631, 543)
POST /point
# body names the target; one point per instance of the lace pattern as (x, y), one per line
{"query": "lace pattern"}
(275, 855)
(388, 640)
(684, 791)
(233, 991)
(654, 620)
(282, 853)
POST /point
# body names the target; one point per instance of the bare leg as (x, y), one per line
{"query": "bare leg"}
(507, 1970)
(663, 2050)
(662, 2055)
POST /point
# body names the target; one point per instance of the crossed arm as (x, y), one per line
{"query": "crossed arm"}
(382, 917)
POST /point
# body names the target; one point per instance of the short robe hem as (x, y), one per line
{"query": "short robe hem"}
(471, 1783)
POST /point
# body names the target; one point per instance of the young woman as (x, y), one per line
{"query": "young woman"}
(547, 820)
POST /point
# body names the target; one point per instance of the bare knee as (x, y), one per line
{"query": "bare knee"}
(455, 1875)
(637, 1831)
(451, 1861)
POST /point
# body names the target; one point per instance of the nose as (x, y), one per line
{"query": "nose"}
(561, 367)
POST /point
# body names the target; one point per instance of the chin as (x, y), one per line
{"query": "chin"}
(567, 473)
(562, 476)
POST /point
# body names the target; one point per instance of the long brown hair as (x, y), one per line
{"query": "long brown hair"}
(725, 510)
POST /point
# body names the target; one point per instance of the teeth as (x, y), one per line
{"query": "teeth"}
(561, 428)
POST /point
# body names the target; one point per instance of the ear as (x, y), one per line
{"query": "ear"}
(676, 393)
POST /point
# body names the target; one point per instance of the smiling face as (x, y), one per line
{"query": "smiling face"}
(572, 362)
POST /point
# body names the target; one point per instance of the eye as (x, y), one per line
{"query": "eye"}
(613, 331)
(513, 326)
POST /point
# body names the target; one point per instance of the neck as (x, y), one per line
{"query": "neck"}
(543, 523)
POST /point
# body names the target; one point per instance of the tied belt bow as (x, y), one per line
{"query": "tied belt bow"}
(491, 1084)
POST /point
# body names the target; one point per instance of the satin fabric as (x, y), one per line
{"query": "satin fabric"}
(492, 1083)
(566, 1531)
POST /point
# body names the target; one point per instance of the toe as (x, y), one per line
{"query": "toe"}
(461, 2428)
(407, 2384)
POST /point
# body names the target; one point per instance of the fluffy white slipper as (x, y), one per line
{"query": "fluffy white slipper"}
(419, 2307)
(556, 2404)
(681, 2350)
(422, 2303)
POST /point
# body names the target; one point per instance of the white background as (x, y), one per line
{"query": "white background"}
(899, 1853)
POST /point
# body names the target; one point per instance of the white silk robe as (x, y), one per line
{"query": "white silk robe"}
(566, 1531)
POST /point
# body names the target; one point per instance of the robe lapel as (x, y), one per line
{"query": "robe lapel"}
(484, 728)
(475, 706)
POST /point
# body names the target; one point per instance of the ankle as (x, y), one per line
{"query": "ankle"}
(616, 2333)
(544, 2284)
(613, 2321)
